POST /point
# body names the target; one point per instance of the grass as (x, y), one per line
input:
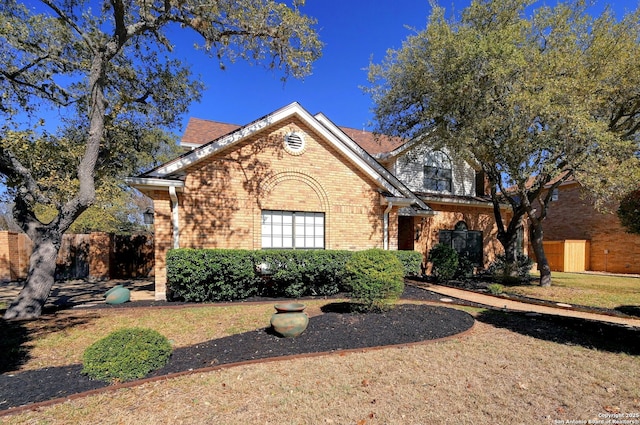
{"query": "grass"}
(476, 379)
(510, 369)
(594, 290)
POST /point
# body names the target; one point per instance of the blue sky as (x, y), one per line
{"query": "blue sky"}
(354, 31)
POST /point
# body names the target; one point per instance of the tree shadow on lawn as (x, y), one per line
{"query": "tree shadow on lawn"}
(630, 310)
(15, 336)
(567, 330)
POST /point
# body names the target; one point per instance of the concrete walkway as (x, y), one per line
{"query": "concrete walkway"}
(505, 303)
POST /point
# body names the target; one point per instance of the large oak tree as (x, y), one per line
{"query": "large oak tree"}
(105, 68)
(533, 97)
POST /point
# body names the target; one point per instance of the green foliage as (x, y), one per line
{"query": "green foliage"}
(444, 261)
(495, 289)
(221, 275)
(508, 272)
(375, 279)
(629, 212)
(411, 262)
(466, 267)
(126, 354)
(532, 96)
(200, 275)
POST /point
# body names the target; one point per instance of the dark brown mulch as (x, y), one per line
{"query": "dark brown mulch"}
(334, 330)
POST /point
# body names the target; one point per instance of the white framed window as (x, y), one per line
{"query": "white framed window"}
(437, 172)
(292, 229)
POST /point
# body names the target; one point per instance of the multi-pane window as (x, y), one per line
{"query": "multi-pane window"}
(437, 172)
(466, 243)
(292, 229)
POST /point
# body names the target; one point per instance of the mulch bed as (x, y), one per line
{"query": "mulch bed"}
(336, 329)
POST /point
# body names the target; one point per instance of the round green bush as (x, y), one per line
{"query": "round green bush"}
(445, 262)
(126, 354)
(375, 279)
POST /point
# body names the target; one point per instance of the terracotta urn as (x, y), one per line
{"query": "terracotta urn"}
(290, 320)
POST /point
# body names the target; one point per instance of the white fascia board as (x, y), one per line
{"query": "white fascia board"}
(359, 152)
(449, 201)
(190, 146)
(204, 151)
(343, 146)
(143, 183)
(401, 202)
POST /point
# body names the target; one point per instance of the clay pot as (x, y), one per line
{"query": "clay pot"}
(117, 295)
(290, 319)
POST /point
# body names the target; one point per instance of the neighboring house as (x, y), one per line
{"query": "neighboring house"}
(607, 246)
(296, 180)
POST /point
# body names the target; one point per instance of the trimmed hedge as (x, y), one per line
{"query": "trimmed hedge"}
(375, 279)
(200, 275)
(445, 262)
(411, 262)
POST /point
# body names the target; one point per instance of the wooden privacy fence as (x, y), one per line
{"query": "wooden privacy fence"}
(95, 256)
(567, 255)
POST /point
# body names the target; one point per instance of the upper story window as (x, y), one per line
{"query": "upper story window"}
(437, 172)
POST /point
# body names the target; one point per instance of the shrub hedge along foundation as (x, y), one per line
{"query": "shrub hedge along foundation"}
(200, 275)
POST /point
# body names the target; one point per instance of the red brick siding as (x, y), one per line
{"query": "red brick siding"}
(573, 217)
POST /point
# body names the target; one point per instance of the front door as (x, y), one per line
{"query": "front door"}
(405, 233)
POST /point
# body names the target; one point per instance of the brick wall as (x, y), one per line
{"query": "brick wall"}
(612, 249)
(224, 195)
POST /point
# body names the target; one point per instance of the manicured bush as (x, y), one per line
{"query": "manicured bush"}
(411, 262)
(445, 262)
(200, 275)
(509, 273)
(211, 274)
(126, 354)
(375, 279)
(285, 276)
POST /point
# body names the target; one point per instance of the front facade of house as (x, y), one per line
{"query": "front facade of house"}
(294, 180)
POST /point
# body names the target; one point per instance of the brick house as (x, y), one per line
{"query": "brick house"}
(295, 180)
(606, 246)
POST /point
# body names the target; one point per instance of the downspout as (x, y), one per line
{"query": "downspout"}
(175, 222)
(385, 240)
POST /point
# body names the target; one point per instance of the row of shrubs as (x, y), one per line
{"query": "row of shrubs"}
(447, 264)
(200, 275)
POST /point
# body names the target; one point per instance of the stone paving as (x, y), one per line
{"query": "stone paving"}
(505, 303)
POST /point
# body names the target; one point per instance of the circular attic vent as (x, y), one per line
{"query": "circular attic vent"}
(294, 143)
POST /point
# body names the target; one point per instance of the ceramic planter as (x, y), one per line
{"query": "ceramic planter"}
(290, 320)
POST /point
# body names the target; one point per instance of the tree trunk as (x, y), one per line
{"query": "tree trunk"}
(536, 236)
(41, 277)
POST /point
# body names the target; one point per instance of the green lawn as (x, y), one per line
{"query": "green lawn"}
(593, 290)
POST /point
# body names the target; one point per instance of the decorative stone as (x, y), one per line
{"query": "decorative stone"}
(290, 319)
(117, 295)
